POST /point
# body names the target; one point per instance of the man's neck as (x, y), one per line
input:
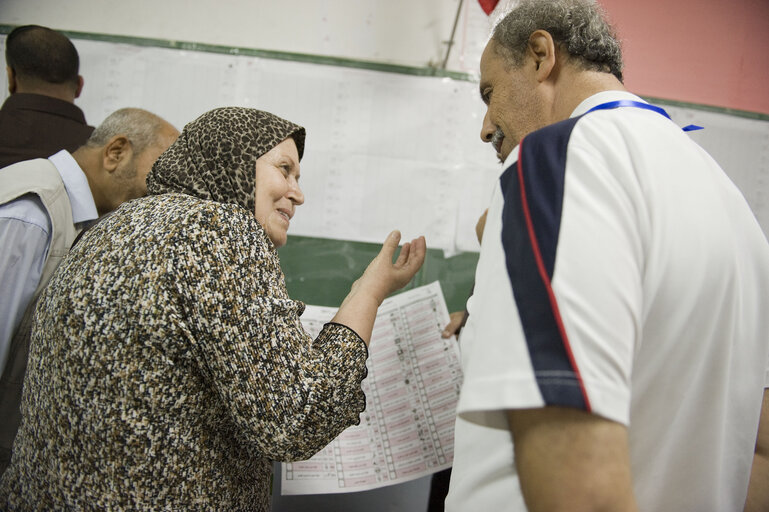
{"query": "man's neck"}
(576, 85)
(88, 158)
(54, 91)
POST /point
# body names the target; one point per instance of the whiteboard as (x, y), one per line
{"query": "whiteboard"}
(384, 150)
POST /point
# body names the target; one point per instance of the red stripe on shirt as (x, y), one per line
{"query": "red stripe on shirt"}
(546, 280)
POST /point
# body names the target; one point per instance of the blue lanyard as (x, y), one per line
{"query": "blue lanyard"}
(638, 104)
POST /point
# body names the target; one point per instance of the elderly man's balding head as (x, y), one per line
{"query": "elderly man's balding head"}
(120, 153)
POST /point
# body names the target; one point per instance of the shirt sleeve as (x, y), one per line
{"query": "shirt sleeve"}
(598, 275)
(557, 308)
(24, 240)
(289, 394)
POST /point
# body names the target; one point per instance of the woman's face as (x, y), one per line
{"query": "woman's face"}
(277, 191)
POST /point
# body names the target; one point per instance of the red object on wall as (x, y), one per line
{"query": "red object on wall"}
(488, 5)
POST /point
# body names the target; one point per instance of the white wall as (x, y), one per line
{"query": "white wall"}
(406, 32)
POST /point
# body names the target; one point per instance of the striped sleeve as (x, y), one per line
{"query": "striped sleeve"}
(533, 197)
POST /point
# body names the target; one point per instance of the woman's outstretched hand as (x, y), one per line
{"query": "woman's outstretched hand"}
(382, 276)
(380, 279)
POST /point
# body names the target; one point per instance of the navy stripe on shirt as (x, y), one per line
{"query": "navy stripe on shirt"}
(532, 189)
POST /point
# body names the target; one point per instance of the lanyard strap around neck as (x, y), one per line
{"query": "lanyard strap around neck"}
(640, 104)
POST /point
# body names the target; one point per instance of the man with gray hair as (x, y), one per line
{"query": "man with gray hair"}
(44, 204)
(616, 354)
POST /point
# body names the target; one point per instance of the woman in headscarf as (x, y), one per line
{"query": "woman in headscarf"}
(168, 365)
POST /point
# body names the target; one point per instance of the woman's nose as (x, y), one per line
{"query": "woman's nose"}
(295, 192)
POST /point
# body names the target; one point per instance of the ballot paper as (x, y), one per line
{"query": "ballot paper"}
(412, 388)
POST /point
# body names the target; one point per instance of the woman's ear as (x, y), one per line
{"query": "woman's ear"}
(118, 149)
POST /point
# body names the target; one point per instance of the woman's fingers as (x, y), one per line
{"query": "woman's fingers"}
(417, 252)
(410, 258)
(390, 245)
(404, 255)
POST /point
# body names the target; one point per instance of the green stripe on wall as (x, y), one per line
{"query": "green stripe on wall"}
(342, 62)
(267, 54)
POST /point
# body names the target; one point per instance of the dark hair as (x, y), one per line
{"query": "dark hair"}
(36, 52)
(578, 27)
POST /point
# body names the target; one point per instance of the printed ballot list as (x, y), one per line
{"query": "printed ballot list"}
(412, 388)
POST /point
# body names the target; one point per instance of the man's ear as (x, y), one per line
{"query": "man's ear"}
(11, 80)
(117, 150)
(79, 88)
(542, 50)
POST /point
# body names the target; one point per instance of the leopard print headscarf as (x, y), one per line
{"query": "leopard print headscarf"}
(215, 156)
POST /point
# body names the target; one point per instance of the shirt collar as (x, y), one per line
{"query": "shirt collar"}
(76, 184)
(587, 104)
(46, 104)
(603, 97)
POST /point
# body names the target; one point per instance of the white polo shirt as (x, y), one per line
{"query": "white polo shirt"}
(621, 273)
